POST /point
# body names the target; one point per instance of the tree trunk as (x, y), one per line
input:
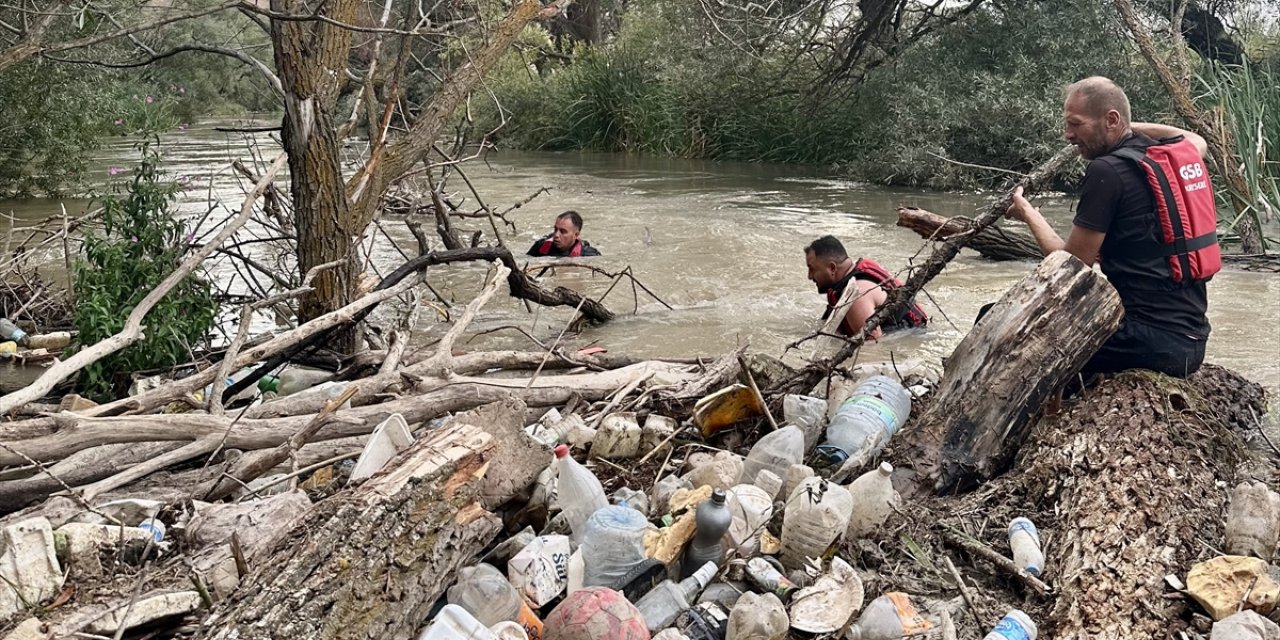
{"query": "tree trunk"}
(311, 58)
(1206, 34)
(1039, 335)
(372, 564)
(994, 242)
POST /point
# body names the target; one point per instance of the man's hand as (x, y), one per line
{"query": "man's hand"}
(1020, 208)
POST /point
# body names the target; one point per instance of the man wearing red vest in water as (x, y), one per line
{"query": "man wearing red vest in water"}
(563, 241)
(831, 268)
(1147, 214)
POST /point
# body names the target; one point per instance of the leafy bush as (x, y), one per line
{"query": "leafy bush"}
(141, 244)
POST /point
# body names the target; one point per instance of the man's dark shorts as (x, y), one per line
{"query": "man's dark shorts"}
(1141, 346)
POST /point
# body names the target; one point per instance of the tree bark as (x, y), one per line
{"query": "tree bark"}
(372, 564)
(1034, 339)
(994, 242)
(1206, 34)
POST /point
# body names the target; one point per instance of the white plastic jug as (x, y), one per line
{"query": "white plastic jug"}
(817, 514)
(775, 451)
(454, 623)
(867, 420)
(751, 508)
(612, 545)
(873, 501)
(578, 492)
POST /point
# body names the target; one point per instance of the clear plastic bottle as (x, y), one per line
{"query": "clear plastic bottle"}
(612, 545)
(810, 414)
(10, 331)
(713, 520)
(578, 492)
(1024, 540)
(1015, 625)
(775, 451)
(661, 605)
(486, 594)
(873, 501)
(293, 379)
(817, 514)
(889, 617)
(866, 421)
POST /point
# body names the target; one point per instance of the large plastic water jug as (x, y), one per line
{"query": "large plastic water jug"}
(486, 594)
(889, 617)
(873, 501)
(775, 451)
(817, 514)
(878, 407)
(612, 545)
(454, 623)
(578, 492)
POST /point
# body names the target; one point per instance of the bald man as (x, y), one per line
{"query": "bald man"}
(1157, 258)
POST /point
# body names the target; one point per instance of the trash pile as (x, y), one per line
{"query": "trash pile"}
(634, 525)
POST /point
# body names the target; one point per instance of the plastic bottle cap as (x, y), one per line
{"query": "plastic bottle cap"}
(886, 468)
(718, 496)
(269, 383)
(562, 450)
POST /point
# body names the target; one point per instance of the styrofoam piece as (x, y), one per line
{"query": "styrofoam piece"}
(389, 438)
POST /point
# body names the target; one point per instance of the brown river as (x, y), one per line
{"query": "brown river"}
(722, 243)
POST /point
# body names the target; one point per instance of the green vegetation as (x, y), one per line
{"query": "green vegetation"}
(141, 244)
(1249, 98)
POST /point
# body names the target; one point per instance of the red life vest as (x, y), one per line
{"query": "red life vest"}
(871, 271)
(546, 246)
(1184, 208)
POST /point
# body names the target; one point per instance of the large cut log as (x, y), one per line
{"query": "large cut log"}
(372, 563)
(1036, 337)
(994, 242)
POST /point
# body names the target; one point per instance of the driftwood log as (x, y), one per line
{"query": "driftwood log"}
(1030, 343)
(371, 564)
(994, 242)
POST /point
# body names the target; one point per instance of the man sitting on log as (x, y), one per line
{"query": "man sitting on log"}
(831, 268)
(1147, 214)
(563, 241)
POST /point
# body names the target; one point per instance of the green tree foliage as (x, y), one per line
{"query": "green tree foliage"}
(142, 242)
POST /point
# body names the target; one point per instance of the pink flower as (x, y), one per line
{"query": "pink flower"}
(150, 99)
(113, 171)
(119, 122)
(133, 238)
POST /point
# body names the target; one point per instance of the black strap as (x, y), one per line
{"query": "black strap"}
(1180, 246)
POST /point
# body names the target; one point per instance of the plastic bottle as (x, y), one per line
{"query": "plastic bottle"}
(757, 617)
(873, 501)
(889, 617)
(51, 341)
(775, 452)
(486, 594)
(767, 577)
(1253, 521)
(612, 545)
(866, 421)
(10, 331)
(810, 414)
(713, 520)
(455, 623)
(661, 605)
(578, 492)
(292, 380)
(750, 509)
(817, 514)
(1015, 625)
(1024, 539)
(155, 527)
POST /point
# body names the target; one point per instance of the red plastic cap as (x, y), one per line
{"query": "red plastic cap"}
(562, 450)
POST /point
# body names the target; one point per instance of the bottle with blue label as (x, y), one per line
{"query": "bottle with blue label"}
(1015, 625)
(876, 411)
(1024, 539)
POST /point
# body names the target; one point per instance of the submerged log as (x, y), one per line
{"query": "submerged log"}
(1035, 338)
(372, 563)
(993, 242)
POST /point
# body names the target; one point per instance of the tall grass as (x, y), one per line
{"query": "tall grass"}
(1248, 98)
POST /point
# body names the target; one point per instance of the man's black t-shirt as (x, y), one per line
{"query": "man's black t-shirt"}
(1116, 200)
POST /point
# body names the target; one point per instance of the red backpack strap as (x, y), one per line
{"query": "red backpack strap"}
(576, 251)
(545, 248)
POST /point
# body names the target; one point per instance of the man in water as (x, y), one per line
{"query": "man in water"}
(564, 240)
(1156, 250)
(831, 268)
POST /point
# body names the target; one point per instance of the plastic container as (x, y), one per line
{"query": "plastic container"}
(750, 509)
(775, 451)
(873, 501)
(764, 575)
(612, 545)
(704, 621)
(1024, 539)
(540, 571)
(712, 519)
(889, 617)
(1253, 521)
(8, 346)
(660, 606)
(810, 414)
(817, 515)
(757, 617)
(770, 482)
(866, 421)
(155, 527)
(10, 331)
(1015, 625)
(578, 492)
(388, 439)
(454, 623)
(292, 380)
(51, 341)
(486, 594)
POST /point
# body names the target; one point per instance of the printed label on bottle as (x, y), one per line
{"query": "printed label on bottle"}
(1010, 629)
(529, 620)
(912, 622)
(879, 407)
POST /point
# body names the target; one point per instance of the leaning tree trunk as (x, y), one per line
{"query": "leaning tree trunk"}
(1035, 338)
(372, 564)
(311, 57)
(994, 242)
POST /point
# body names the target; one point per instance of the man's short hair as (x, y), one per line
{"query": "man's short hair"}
(827, 248)
(572, 217)
(1100, 96)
